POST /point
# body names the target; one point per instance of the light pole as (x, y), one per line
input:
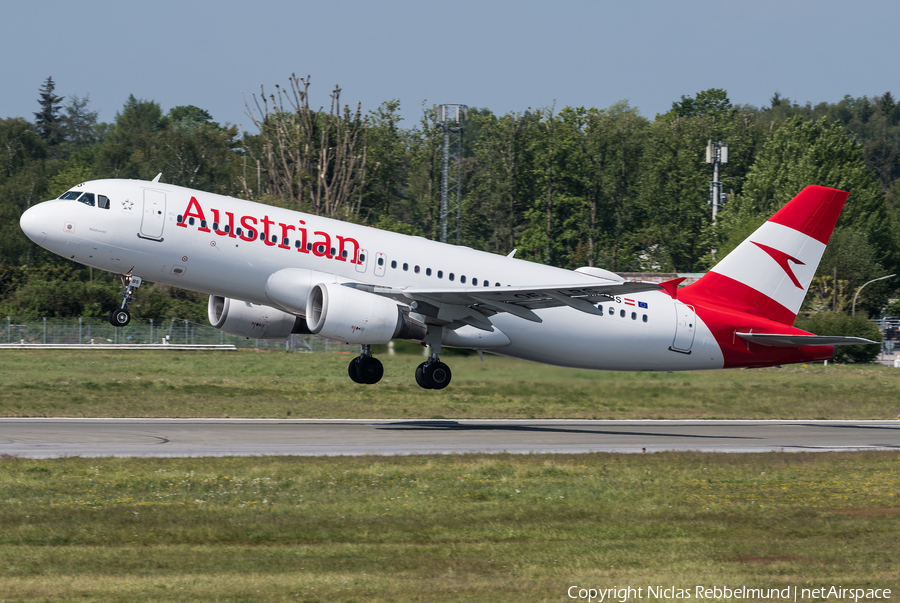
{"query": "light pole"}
(881, 278)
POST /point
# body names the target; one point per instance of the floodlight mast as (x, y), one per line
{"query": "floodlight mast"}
(717, 155)
(451, 119)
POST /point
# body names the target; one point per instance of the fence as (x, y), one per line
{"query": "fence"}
(175, 331)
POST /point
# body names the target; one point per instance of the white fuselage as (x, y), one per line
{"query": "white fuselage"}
(140, 233)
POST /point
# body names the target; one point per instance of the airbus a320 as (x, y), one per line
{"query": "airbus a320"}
(270, 272)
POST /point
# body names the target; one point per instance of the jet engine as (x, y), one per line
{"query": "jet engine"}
(353, 316)
(237, 317)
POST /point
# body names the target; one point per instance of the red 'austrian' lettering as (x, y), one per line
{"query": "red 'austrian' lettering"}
(348, 248)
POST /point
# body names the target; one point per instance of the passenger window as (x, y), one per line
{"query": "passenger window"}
(215, 226)
(332, 251)
(428, 272)
(487, 284)
(612, 310)
(405, 266)
(600, 307)
(87, 199)
(474, 282)
(450, 276)
(496, 284)
(393, 263)
(297, 244)
(462, 278)
(191, 221)
(381, 261)
(286, 241)
(102, 202)
(416, 270)
(634, 316)
(645, 318)
(362, 258)
(622, 313)
(180, 218)
(202, 223)
(309, 246)
(238, 231)
(344, 255)
(274, 239)
(440, 274)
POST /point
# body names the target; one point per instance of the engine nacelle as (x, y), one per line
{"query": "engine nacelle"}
(353, 316)
(255, 321)
(289, 288)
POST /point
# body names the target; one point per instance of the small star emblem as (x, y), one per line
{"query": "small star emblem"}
(127, 204)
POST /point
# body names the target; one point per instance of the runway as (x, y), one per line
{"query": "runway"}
(60, 437)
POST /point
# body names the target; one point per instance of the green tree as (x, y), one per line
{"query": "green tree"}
(801, 153)
(47, 120)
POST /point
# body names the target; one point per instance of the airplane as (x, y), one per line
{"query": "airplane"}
(270, 272)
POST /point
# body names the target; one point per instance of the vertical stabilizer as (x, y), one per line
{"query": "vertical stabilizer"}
(770, 272)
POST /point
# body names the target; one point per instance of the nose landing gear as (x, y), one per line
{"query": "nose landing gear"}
(121, 317)
(365, 368)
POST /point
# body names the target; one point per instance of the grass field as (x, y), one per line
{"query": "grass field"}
(451, 528)
(248, 383)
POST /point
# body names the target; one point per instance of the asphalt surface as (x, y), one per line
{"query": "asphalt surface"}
(54, 437)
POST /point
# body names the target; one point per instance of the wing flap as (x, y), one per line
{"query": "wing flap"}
(792, 341)
(518, 301)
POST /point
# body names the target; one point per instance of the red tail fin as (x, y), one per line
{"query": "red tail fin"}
(770, 272)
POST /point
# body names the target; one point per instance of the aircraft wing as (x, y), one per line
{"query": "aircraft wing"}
(474, 305)
(793, 341)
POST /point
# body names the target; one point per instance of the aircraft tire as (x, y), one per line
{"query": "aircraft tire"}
(369, 370)
(440, 375)
(119, 318)
(422, 378)
(353, 370)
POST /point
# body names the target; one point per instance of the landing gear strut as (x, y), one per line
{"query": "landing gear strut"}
(433, 374)
(121, 317)
(365, 368)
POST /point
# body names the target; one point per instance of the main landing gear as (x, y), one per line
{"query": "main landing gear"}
(365, 368)
(121, 317)
(433, 374)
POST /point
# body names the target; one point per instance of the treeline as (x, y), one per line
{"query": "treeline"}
(569, 187)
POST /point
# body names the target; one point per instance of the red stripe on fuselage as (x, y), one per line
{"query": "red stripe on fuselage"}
(727, 307)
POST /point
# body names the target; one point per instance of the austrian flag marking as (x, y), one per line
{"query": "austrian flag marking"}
(629, 302)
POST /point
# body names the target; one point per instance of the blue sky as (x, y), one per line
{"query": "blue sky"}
(506, 56)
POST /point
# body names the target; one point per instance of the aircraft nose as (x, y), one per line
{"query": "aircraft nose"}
(33, 223)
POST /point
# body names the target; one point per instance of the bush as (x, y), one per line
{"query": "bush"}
(829, 323)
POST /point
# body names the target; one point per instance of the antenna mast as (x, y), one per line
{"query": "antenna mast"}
(451, 119)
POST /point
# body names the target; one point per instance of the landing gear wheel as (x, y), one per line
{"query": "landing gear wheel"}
(119, 318)
(370, 370)
(353, 370)
(439, 374)
(422, 377)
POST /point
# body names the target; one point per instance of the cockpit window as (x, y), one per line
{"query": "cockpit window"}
(87, 199)
(70, 195)
(102, 202)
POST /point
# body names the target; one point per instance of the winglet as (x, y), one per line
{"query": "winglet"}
(671, 287)
(511, 254)
(158, 176)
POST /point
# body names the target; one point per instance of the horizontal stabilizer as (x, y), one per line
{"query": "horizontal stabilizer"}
(793, 341)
